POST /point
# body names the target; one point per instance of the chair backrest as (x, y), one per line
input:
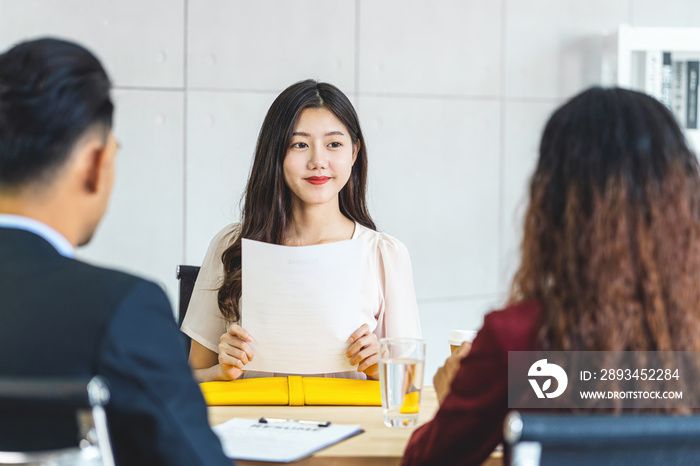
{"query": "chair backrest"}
(54, 421)
(640, 440)
(187, 276)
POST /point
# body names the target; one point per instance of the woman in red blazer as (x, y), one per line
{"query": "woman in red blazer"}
(610, 262)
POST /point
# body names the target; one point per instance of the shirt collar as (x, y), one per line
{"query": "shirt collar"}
(57, 240)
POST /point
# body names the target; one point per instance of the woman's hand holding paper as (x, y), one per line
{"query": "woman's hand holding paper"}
(234, 352)
(364, 351)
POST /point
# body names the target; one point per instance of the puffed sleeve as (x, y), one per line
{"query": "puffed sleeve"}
(400, 309)
(203, 321)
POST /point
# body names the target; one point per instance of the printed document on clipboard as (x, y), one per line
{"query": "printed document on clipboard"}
(279, 440)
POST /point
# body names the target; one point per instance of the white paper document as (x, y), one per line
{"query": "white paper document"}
(301, 304)
(248, 439)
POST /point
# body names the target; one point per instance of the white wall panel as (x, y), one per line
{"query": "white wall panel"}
(433, 169)
(524, 123)
(142, 231)
(140, 43)
(428, 77)
(669, 13)
(440, 317)
(222, 129)
(235, 44)
(553, 47)
(437, 47)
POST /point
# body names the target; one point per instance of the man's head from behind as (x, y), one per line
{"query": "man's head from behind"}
(56, 144)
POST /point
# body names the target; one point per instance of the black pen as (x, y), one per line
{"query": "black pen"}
(270, 420)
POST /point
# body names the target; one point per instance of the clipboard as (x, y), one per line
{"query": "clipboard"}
(279, 440)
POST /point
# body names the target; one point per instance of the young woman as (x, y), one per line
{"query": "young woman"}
(307, 187)
(610, 262)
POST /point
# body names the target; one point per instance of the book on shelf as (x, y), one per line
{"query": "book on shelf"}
(652, 73)
(673, 79)
(692, 96)
(679, 85)
(666, 80)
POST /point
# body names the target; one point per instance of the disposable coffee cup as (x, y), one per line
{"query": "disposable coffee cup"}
(460, 336)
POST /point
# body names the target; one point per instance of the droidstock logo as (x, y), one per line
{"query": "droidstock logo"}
(542, 369)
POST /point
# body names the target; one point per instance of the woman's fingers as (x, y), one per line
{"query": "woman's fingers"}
(454, 361)
(446, 374)
(441, 384)
(363, 330)
(229, 340)
(232, 355)
(226, 372)
(368, 362)
(369, 339)
(234, 351)
(363, 354)
(464, 349)
(238, 331)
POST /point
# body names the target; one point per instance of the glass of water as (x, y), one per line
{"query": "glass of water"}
(401, 362)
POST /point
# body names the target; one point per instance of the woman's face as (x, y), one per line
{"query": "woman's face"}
(319, 158)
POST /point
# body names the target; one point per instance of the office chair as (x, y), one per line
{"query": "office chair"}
(573, 440)
(54, 421)
(187, 276)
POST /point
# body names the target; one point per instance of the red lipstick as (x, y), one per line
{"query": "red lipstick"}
(317, 180)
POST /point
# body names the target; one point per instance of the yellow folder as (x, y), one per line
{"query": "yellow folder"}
(293, 391)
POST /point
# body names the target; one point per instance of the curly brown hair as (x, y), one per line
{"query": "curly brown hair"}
(611, 244)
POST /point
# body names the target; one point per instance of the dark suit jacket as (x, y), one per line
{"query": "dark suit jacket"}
(62, 317)
(469, 423)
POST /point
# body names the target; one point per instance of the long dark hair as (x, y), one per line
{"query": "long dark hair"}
(267, 206)
(611, 245)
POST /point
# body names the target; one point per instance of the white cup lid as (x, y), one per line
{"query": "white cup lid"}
(460, 336)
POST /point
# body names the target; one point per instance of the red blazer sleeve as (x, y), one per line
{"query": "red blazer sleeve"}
(468, 425)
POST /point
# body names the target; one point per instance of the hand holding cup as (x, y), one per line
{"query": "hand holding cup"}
(446, 374)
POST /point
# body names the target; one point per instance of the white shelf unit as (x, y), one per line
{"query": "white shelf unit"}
(624, 47)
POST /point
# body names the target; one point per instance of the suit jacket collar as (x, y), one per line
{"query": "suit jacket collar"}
(58, 241)
(29, 244)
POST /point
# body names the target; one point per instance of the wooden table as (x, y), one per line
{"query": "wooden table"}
(378, 445)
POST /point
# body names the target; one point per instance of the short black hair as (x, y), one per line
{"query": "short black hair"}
(51, 93)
